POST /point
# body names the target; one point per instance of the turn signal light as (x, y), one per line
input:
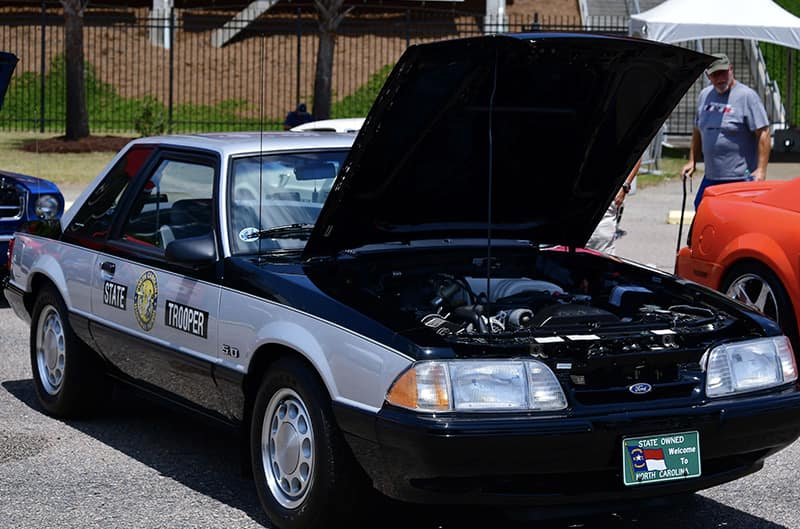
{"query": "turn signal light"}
(422, 387)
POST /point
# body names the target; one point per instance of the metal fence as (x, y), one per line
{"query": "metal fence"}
(150, 74)
(145, 73)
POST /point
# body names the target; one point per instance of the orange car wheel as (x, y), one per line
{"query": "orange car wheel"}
(758, 287)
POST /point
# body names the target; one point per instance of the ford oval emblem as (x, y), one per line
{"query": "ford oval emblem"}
(641, 388)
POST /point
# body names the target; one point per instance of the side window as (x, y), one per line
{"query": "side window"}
(94, 218)
(175, 203)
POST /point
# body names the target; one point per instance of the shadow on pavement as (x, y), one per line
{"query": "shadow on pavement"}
(205, 459)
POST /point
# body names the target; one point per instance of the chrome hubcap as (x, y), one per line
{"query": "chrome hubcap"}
(754, 292)
(50, 350)
(287, 448)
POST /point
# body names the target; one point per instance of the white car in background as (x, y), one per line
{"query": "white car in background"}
(331, 125)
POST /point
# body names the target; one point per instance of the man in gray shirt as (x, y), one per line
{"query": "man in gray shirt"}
(732, 128)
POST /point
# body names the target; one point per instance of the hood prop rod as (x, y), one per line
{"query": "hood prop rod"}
(489, 192)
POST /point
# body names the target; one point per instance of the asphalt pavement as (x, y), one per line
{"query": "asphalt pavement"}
(649, 238)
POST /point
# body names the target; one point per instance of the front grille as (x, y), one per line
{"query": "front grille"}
(12, 202)
(606, 379)
(676, 390)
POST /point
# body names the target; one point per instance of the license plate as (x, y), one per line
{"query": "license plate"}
(658, 458)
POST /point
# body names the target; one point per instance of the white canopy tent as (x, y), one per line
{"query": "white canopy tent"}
(677, 21)
(686, 20)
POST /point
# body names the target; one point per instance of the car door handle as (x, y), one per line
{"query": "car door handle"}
(109, 267)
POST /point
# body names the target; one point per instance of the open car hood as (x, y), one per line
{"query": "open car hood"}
(8, 61)
(523, 137)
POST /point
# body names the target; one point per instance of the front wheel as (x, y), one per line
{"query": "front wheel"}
(67, 375)
(305, 474)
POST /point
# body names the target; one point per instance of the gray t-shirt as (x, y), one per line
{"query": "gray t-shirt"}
(727, 123)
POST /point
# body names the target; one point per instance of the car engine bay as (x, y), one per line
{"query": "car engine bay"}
(545, 303)
(600, 323)
(557, 292)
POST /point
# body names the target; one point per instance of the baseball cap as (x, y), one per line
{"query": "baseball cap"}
(721, 63)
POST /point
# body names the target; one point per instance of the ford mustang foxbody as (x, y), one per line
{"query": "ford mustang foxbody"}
(425, 323)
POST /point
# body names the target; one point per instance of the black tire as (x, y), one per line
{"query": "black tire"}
(755, 285)
(67, 375)
(305, 474)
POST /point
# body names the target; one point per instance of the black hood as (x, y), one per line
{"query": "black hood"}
(529, 135)
(8, 61)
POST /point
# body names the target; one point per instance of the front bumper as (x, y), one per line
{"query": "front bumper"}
(559, 461)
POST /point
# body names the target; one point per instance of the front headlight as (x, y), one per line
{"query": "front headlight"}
(478, 385)
(751, 365)
(46, 207)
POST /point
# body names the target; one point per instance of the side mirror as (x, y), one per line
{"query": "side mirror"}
(193, 252)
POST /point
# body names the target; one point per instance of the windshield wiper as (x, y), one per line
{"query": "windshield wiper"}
(290, 231)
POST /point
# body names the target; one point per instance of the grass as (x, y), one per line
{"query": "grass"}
(671, 164)
(359, 102)
(66, 170)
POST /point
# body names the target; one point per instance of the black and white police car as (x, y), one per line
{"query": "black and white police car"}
(426, 322)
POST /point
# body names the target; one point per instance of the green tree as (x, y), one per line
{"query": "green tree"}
(77, 125)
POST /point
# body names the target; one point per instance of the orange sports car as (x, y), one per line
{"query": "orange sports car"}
(745, 242)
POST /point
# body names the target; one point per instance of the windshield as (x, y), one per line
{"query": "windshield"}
(283, 191)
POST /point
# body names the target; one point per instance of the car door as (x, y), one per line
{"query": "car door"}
(156, 321)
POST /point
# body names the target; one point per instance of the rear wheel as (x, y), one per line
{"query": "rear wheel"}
(758, 287)
(67, 375)
(305, 474)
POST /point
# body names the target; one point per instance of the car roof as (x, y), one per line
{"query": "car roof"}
(234, 143)
(227, 144)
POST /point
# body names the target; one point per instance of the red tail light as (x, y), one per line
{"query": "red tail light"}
(10, 251)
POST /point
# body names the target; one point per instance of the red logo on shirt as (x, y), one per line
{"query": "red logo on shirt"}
(719, 108)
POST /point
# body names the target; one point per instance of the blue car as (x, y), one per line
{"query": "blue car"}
(22, 198)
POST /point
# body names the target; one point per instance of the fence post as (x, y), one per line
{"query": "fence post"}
(299, 58)
(42, 66)
(171, 66)
(790, 87)
(408, 28)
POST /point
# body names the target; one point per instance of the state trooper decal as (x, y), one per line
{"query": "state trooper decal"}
(187, 319)
(145, 300)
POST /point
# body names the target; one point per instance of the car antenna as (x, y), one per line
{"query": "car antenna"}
(489, 194)
(261, 140)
